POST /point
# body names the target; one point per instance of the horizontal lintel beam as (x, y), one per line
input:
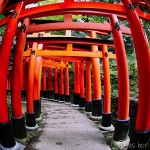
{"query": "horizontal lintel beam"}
(48, 53)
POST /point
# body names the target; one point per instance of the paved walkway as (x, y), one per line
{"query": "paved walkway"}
(68, 129)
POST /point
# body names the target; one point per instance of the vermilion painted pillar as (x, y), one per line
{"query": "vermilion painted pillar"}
(88, 103)
(40, 62)
(2, 5)
(17, 117)
(122, 122)
(44, 83)
(107, 87)
(106, 117)
(6, 134)
(76, 84)
(67, 91)
(40, 47)
(50, 91)
(142, 129)
(24, 78)
(97, 103)
(68, 18)
(56, 93)
(30, 114)
(36, 96)
(62, 96)
(82, 95)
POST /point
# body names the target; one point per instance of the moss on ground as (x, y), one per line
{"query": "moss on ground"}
(31, 135)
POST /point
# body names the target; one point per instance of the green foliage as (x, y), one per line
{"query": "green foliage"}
(58, 32)
(48, 2)
(1, 17)
(146, 26)
(76, 17)
(128, 41)
(2, 28)
(52, 18)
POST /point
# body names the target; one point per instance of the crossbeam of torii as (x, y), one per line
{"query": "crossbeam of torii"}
(69, 51)
(100, 8)
(52, 64)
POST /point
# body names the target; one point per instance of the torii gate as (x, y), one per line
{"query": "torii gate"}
(125, 11)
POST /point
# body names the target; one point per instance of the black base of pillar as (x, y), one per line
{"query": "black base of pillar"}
(40, 106)
(36, 104)
(82, 102)
(8, 91)
(45, 94)
(30, 119)
(88, 106)
(41, 93)
(67, 98)
(121, 130)
(97, 107)
(76, 98)
(19, 127)
(50, 94)
(23, 95)
(139, 140)
(106, 120)
(56, 96)
(6, 135)
(62, 98)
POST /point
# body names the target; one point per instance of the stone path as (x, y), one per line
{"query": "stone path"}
(68, 129)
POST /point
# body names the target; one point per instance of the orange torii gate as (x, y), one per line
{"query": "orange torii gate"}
(45, 63)
(70, 53)
(125, 11)
(53, 64)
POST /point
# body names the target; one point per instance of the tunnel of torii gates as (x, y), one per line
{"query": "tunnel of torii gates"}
(39, 55)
